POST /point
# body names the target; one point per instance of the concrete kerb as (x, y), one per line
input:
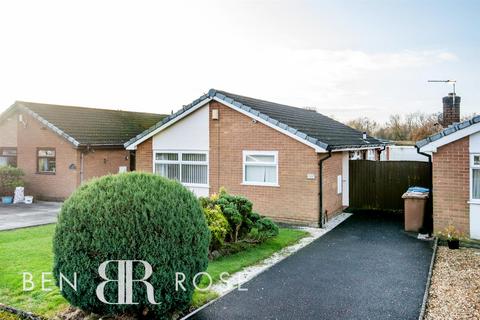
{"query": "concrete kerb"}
(429, 281)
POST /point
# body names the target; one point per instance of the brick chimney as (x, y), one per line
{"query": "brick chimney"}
(451, 113)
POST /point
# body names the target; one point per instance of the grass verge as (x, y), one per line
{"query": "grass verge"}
(30, 250)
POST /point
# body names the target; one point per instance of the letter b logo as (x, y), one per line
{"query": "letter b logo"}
(125, 281)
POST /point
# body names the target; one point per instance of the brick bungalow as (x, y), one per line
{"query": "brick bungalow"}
(456, 174)
(291, 162)
(59, 147)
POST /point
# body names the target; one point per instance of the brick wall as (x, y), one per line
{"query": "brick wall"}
(451, 186)
(332, 168)
(102, 162)
(60, 185)
(143, 156)
(46, 186)
(296, 199)
(8, 132)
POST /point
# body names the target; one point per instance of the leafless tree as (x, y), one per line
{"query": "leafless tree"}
(411, 127)
(364, 124)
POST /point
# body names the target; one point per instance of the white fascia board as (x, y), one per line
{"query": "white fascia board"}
(318, 149)
(134, 145)
(434, 145)
(358, 149)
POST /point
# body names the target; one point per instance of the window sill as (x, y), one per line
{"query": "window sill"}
(46, 173)
(193, 185)
(256, 184)
(473, 202)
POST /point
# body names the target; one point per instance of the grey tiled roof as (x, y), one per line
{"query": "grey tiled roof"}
(305, 124)
(91, 126)
(451, 129)
(310, 125)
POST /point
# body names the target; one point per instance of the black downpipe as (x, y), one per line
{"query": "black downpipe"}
(428, 219)
(380, 153)
(321, 216)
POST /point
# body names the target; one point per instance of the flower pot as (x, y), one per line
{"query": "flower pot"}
(453, 244)
(7, 200)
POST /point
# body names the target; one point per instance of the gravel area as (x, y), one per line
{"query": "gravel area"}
(455, 287)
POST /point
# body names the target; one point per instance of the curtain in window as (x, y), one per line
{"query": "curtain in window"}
(187, 168)
(475, 183)
(194, 157)
(167, 170)
(260, 173)
(194, 173)
(260, 168)
(46, 165)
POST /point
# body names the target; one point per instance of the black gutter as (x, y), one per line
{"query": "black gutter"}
(380, 153)
(429, 156)
(321, 216)
(89, 146)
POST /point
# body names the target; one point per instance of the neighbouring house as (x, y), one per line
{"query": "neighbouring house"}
(456, 171)
(401, 151)
(293, 163)
(59, 147)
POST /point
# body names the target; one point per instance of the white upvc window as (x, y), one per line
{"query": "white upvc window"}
(188, 167)
(260, 168)
(475, 177)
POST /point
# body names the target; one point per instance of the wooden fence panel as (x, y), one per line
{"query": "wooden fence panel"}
(380, 184)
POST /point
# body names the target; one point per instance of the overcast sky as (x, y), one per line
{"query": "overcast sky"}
(346, 58)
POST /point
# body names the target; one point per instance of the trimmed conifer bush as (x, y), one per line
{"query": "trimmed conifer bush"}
(263, 229)
(243, 222)
(132, 216)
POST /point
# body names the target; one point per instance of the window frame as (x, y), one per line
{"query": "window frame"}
(39, 157)
(473, 167)
(246, 153)
(180, 162)
(8, 156)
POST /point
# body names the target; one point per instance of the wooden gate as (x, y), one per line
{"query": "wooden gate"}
(380, 184)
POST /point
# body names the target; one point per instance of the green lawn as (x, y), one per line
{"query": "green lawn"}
(30, 250)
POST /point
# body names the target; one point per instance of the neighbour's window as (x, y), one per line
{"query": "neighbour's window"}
(260, 168)
(355, 155)
(371, 154)
(46, 162)
(8, 157)
(190, 168)
(475, 165)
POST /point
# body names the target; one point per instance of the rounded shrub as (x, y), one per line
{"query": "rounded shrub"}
(132, 216)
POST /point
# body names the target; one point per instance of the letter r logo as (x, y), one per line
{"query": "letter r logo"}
(125, 281)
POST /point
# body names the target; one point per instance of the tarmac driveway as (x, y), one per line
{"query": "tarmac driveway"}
(27, 215)
(366, 268)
